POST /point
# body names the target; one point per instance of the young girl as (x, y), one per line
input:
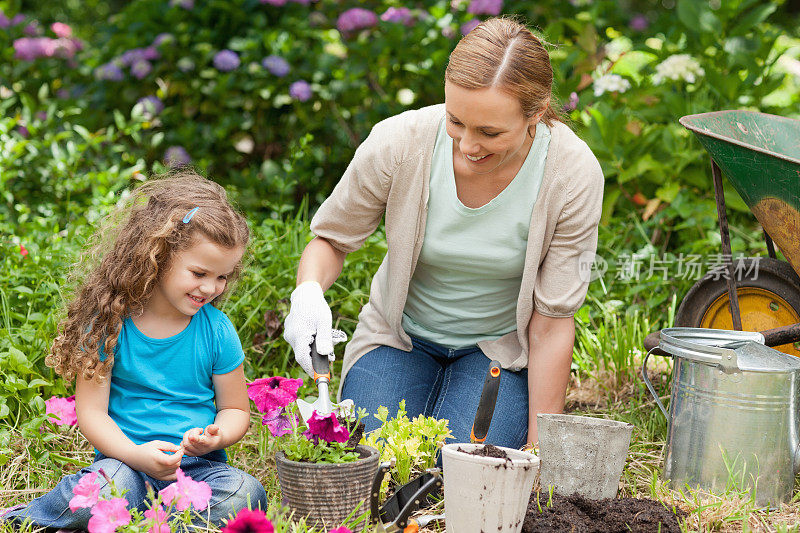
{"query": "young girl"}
(160, 384)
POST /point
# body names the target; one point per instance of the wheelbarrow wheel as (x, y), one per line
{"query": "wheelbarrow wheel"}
(769, 297)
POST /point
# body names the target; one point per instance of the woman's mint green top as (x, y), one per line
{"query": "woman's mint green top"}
(467, 280)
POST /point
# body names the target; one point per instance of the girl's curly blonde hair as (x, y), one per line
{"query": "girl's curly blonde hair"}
(126, 259)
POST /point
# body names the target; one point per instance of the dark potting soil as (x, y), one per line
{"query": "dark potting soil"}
(488, 450)
(355, 435)
(612, 515)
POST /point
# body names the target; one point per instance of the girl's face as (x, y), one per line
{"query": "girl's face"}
(196, 276)
(488, 128)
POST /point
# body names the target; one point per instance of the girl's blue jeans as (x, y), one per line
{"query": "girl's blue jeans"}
(441, 382)
(231, 490)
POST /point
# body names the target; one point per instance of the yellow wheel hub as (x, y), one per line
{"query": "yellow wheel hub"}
(760, 309)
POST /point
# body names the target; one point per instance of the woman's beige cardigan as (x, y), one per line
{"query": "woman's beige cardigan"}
(389, 177)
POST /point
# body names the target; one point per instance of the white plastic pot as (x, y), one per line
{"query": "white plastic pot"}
(486, 493)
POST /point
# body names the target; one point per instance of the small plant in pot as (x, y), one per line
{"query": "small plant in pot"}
(323, 473)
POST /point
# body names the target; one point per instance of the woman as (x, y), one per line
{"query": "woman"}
(489, 202)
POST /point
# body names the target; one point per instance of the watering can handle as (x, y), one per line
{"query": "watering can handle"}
(650, 385)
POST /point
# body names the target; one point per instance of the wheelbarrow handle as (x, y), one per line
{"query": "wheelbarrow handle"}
(647, 382)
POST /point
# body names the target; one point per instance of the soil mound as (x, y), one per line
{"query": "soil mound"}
(612, 515)
(489, 450)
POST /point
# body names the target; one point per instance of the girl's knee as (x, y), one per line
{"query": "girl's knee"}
(252, 494)
(123, 477)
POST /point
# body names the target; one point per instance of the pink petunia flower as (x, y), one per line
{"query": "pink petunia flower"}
(108, 515)
(61, 410)
(186, 492)
(340, 529)
(86, 492)
(157, 520)
(271, 394)
(248, 521)
(401, 15)
(279, 422)
(23, 252)
(326, 428)
(61, 30)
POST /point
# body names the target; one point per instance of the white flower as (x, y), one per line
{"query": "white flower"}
(617, 47)
(610, 83)
(405, 96)
(678, 67)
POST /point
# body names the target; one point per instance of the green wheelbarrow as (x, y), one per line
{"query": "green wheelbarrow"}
(760, 155)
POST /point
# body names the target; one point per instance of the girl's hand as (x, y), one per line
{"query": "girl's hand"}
(158, 459)
(198, 441)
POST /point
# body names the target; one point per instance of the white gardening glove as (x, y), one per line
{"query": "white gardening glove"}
(310, 316)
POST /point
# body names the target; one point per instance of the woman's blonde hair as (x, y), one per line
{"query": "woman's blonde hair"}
(501, 52)
(127, 257)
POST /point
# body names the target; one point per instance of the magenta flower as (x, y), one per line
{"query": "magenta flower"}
(326, 428)
(400, 15)
(86, 492)
(157, 520)
(340, 529)
(108, 515)
(276, 65)
(61, 411)
(176, 156)
(226, 60)
(186, 492)
(485, 7)
(279, 422)
(272, 394)
(248, 521)
(469, 26)
(61, 30)
(356, 18)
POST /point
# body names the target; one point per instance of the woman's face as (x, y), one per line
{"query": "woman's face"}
(488, 128)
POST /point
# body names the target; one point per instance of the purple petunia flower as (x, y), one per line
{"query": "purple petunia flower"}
(18, 19)
(401, 15)
(32, 29)
(356, 18)
(176, 156)
(23, 130)
(300, 90)
(469, 26)
(149, 106)
(275, 393)
(276, 65)
(226, 60)
(326, 428)
(485, 7)
(28, 48)
(109, 72)
(639, 23)
(141, 69)
(279, 422)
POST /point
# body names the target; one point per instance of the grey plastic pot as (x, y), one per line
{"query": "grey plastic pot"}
(582, 455)
(327, 493)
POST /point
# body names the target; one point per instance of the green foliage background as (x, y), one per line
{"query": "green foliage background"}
(71, 144)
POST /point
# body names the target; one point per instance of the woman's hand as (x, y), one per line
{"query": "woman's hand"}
(199, 441)
(157, 459)
(310, 317)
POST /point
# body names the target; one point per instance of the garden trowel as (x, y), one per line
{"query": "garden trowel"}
(483, 415)
(322, 378)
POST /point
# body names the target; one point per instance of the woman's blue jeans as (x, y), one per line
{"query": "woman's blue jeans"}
(441, 382)
(231, 490)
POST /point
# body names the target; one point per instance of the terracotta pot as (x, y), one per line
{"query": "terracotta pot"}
(327, 493)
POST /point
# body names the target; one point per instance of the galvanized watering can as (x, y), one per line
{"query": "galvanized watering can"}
(733, 420)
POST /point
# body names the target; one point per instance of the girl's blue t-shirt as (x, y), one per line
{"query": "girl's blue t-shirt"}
(160, 388)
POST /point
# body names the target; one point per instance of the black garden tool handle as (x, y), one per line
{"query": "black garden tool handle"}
(483, 416)
(409, 498)
(375, 492)
(319, 363)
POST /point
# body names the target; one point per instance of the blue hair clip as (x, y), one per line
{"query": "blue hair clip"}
(189, 215)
